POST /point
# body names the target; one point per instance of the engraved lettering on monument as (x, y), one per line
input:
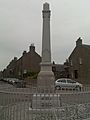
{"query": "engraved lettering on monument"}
(43, 101)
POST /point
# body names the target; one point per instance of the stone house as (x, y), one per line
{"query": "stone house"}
(59, 70)
(10, 69)
(28, 62)
(1, 75)
(79, 63)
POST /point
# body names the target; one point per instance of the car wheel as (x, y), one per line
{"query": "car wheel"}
(78, 88)
(57, 88)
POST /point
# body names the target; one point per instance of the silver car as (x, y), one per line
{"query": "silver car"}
(65, 83)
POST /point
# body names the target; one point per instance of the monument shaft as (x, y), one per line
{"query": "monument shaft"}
(46, 76)
(46, 48)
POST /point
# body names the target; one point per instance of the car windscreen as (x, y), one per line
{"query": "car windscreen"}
(62, 81)
(70, 81)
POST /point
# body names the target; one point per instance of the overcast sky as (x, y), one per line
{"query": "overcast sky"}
(21, 25)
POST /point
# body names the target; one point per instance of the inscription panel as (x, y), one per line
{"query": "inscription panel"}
(42, 101)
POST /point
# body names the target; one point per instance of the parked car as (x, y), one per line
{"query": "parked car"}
(13, 80)
(65, 83)
(19, 83)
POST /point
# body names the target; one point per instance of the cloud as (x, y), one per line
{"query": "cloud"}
(21, 24)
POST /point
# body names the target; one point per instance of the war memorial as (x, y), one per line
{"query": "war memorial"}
(45, 82)
(43, 102)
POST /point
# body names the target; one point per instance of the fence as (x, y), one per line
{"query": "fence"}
(17, 104)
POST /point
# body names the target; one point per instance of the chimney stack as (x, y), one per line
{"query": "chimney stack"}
(24, 52)
(32, 48)
(79, 42)
(15, 58)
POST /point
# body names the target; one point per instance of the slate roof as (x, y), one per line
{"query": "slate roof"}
(86, 46)
(59, 67)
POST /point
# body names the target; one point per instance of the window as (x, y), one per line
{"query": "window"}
(76, 74)
(63, 81)
(80, 61)
(72, 74)
(70, 81)
(71, 63)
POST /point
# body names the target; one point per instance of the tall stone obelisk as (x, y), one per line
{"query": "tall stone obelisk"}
(46, 76)
(45, 98)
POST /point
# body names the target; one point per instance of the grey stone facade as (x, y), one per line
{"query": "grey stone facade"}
(28, 62)
(79, 63)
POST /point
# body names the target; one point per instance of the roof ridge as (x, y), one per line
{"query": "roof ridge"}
(86, 46)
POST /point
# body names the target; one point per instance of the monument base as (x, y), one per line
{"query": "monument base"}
(45, 101)
(46, 79)
(45, 82)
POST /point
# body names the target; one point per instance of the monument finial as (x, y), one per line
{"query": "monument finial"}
(46, 6)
